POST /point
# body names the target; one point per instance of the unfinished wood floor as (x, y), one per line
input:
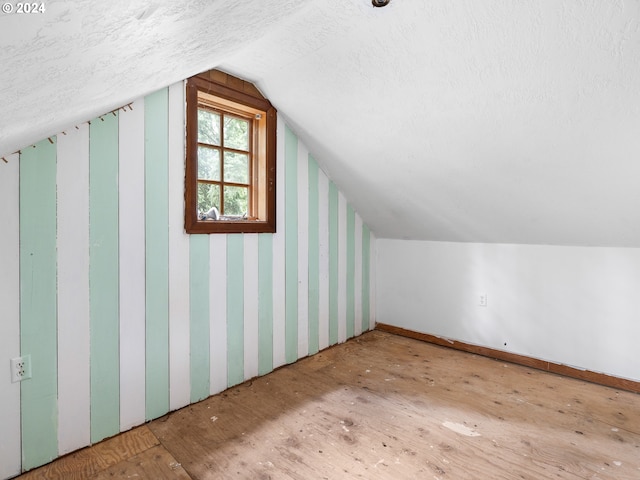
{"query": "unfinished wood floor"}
(383, 407)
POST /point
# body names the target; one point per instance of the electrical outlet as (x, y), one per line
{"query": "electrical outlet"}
(20, 368)
(482, 300)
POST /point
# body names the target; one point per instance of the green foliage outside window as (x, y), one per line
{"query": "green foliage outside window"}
(215, 157)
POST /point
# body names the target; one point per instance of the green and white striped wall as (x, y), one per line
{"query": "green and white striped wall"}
(124, 315)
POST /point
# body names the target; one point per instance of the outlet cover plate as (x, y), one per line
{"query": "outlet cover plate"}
(482, 300)
(20, 368)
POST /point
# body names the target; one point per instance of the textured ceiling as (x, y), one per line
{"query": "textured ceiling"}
(460, 120)
(82, 58)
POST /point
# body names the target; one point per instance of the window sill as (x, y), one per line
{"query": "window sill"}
(230, 226)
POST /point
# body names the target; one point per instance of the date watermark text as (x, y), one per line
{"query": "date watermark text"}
(23, 8)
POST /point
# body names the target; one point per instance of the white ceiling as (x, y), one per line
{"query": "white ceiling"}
(460, 120)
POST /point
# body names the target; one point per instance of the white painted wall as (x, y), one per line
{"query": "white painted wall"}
(9, 315)
(74, 409)
(578, 306)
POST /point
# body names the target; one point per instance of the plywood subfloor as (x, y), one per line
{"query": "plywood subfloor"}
(386, 407)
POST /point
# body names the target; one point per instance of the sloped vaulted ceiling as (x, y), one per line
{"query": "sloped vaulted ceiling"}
(461, 120)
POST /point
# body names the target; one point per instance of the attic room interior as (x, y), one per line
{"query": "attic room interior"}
(320, 239)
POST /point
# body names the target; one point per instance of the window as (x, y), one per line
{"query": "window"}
(230, 175)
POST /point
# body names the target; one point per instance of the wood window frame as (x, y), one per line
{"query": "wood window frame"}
(233, 95)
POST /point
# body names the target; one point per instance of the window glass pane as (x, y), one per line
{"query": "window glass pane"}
(236, 133)
(208, 197)
(236, 167)
(236, 200)
(208, 163)
(208, 127)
